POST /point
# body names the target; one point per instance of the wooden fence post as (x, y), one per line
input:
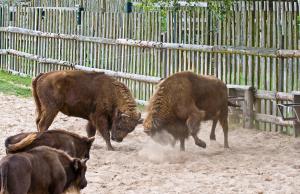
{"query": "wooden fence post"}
(296, 95)
(79, 18)
(234, 116)
(248, 112)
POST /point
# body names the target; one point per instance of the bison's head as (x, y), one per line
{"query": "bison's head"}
(80, 170)
(83, 151)
(123, 124)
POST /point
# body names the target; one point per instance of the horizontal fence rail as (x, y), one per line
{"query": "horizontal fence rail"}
(42, 60)
(160, 45)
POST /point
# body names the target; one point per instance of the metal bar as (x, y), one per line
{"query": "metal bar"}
(288, 105)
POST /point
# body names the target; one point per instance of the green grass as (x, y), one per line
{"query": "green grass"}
(15, 85)
(26, 81)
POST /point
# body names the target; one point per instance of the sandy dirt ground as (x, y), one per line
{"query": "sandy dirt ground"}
(257, 162)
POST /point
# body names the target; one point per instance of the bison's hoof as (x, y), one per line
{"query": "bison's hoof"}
(110, 149)
(201, 143)
(213, 137)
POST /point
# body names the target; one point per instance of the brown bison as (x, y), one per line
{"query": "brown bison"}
(41, 170)
(182, 101)
(75, 145)
(105, 102)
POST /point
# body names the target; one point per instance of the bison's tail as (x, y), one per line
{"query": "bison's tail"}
(34, 93)
(232, 104)
(10, 148)
(3, 177)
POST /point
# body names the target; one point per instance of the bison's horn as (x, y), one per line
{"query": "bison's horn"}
(91, 139)
(124, 115)
(139, 115)
(84, 160)
(140, 121)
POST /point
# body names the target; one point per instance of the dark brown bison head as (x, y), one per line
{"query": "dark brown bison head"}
(123, 124)
(83, 150)
(80, 170)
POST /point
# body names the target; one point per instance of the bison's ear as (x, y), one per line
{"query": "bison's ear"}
(117, 113)
(156, 122)
(76, 164)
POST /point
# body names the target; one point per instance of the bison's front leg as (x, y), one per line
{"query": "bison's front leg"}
(106, 135)
(102, 127)
(224, 124)
(182, 146)
(213, 130)
(90, 129)
(193, 123)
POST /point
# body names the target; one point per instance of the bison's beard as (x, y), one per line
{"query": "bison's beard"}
(163, 137)
(160, 149)
(72, 190)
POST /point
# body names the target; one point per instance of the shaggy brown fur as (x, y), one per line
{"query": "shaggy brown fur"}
(41, 170)
(182, 101)
(105, 102)
(75, 145)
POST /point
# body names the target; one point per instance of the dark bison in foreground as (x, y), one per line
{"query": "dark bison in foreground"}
(41, 170)
(182, 101)
(105, 102)
(75, 145)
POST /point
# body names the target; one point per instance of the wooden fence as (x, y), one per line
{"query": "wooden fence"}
(31, 52)
(140, 26)
(252, 24)
(4, 16)
(259, 27)
(268, 24)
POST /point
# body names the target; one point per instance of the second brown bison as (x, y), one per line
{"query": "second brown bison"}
(75, 145)
(105, 102)
(182, 101)
(41, 170)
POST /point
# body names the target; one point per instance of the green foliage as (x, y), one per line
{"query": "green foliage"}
(163, 16)
(15, 85)
(9, 2)
(219, 8)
